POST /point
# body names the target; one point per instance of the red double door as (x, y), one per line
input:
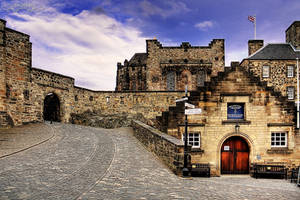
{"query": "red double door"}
(235, 156)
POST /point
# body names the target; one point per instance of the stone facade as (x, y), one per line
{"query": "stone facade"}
(265, 112)
(170, 68)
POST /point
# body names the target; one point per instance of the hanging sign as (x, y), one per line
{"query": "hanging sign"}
(194, 111)
(189, 105)
(235, 111)
(182, 99)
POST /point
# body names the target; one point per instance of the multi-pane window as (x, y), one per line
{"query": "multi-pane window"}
(290, 92)
(266, 71)
(193, 139)
(290, 71)
(279, 139)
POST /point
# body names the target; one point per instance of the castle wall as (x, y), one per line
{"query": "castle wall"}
(149, 103)
(17, 66)
(213, 54)
(3, 114)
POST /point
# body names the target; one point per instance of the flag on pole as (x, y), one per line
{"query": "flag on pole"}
(251, 18)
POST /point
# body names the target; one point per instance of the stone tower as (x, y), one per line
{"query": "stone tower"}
(292, 34)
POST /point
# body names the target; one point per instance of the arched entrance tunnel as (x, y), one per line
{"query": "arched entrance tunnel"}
(235, 156)
(51, 108)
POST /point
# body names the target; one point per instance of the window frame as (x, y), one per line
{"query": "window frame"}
(273, 135)
(269, 71)
(287, 92)
(191, 142)
(289, 70)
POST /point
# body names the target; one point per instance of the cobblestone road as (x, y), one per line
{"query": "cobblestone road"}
(90, 163)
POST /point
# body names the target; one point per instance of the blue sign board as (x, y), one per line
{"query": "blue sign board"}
(235, 111)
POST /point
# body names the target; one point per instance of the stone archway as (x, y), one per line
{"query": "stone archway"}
(235, 153)
(51, 107)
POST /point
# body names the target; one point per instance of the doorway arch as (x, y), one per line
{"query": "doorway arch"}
(51, 107)
(235, 156)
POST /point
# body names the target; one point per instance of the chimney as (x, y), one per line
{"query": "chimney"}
(254, 45)
(292, 34)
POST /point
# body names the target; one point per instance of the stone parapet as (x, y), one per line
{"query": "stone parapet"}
(167, 148)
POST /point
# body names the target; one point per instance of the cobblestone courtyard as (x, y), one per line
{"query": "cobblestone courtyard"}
(63, 161)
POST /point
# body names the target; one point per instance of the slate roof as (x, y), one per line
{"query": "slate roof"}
(138, 59)
(275, 52)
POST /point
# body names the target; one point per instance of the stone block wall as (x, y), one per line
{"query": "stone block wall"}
(148, 103)
(157, 54)
(51, 79)
(278, 73)
(293, 34)
(167, 148)
(16, 66)
(264, 113)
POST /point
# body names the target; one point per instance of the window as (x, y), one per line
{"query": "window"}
(266, 72)
(91, 98)
(290, 71)
(279, 139)
(171, 81)
(122, 100)
(76, 98)
(290, 92)
(200, 78)
(107, 99)
(193, 139)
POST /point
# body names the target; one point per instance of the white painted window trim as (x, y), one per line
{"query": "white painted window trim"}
(192, 140)
(264, 75)
(290, 71)
(290, 96)
(278, 139)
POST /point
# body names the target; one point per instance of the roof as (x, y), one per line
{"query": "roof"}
(282, 51)
(138, 59)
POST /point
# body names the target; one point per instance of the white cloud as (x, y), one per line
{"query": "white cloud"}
(205, 25)
(235, 55)
(173, 7)
(86, 46)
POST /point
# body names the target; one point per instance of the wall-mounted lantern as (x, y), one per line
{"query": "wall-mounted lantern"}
(237, 128)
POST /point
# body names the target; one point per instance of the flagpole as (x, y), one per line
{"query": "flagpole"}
(254, 27)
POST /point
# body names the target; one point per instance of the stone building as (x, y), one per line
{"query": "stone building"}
(168, 68)
(248, 109)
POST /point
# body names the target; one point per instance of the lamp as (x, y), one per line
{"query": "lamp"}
(237, 128)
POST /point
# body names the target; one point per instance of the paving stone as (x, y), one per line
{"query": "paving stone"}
(93, 163)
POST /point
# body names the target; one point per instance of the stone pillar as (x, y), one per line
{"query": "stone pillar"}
(254, 45)
(292, 34)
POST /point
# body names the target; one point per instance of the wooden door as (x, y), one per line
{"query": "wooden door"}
(235, 156)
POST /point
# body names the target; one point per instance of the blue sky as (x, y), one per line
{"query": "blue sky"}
(86, 38)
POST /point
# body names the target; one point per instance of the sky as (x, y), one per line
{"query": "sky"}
(85, 39)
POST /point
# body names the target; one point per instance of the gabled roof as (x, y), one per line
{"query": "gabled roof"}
(282, 51)
(138, 59)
